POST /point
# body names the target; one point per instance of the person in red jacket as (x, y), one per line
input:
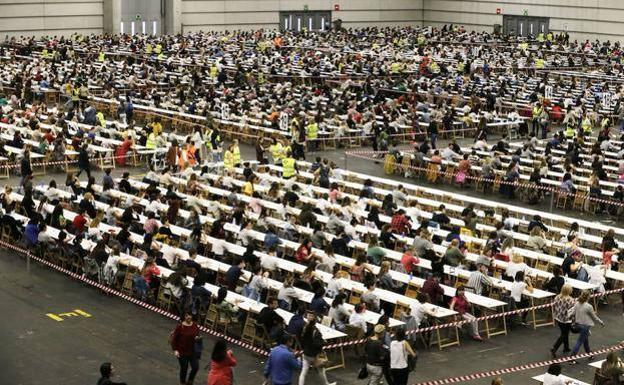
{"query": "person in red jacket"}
(186, 343)
(221, 366)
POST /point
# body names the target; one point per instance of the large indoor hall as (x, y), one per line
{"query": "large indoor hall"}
(400, 192)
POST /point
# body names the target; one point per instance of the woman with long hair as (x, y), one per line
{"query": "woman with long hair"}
(221, 365)
(613, 368)
(561, 309)
(312, 344)
(584, 317)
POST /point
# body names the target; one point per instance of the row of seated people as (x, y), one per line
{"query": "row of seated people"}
(218, 250)
(535, 173)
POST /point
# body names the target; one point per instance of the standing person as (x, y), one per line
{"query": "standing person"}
(584, 317)
(83, 161)
(25, 167)
(106, 371)
(432, 132)
(185, 340)
(281, 363)
(221, 366)
(400, 350)
(312, 344)
(561, 309)
(376, 355)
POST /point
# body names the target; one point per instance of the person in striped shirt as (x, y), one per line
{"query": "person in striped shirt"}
(478, 279)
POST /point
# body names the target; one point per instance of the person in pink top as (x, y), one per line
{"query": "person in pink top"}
(221, 365)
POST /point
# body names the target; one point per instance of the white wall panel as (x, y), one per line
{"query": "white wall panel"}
(50, 17)
(584, 19)
(234, 14)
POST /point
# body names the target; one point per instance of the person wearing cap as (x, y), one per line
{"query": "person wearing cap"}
(376, 355)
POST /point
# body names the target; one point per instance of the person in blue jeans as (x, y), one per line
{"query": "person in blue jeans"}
(281, 363)
(584, 317)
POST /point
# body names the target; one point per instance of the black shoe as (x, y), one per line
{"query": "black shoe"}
(553, 353)
(565, 351)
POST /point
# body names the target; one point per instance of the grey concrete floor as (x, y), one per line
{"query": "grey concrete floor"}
(34, 349)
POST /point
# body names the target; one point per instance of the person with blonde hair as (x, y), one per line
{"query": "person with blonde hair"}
(562, 304)
(515, 265)
(613, 368)
(584, 317)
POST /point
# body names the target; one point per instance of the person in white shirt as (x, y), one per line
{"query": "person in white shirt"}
(517, 264)
(268, 262)
(448, 154)
(111, 268)
(171, 255)
(553, 376)
(245, 235)
(400, 350)
(218, 248)
(399, 196)
(519, 285)
(357, 318)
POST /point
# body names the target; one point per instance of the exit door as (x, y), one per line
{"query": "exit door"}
(525, 25)
(298, 21)
(142, 17)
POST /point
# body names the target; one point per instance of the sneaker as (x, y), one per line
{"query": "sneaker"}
(332, 383)
(477, 338)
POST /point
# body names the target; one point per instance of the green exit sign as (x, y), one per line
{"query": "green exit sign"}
(526, 12)
(305, 7)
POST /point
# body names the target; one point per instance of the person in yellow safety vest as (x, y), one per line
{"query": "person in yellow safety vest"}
(540, 37)
(214, 71)
(148, 48)
(460, 67)
(395, 67)
(101, 56)
(537, 111)
(312, 134)
(569, 132)
(549, 36)
(605, 122)
(276, 151)
(152, 141)
(228, 159)
(158, 48)
(161, 56)
(524, 46)
(434, 67)
(236, 153)
(44, 53)
(100, 118)
(289, 166)
(587, 126)
(539, 63)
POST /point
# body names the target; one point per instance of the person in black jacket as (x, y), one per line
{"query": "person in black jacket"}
(106, 371)
(312, 344)
(25, 168)
(83, 161)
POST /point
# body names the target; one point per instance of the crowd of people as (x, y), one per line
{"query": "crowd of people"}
(201, 203)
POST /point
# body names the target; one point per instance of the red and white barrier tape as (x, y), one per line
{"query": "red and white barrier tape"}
(131, 299)
(520, 368)
(482, 318)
